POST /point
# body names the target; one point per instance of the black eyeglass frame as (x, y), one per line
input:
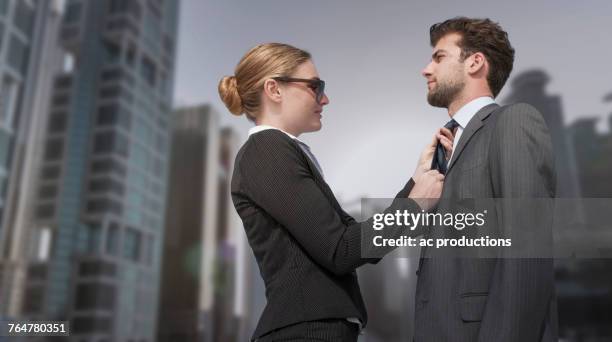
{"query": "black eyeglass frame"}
(317, 85)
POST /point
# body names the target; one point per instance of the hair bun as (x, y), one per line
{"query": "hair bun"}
(228, 90)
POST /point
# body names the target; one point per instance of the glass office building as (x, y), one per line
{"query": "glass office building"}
(97, 225)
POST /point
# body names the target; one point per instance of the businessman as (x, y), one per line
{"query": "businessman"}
(499, 152)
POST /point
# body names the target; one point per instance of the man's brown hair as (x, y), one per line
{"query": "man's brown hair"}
(480, 35)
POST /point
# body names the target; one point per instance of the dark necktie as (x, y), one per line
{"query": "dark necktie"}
(439, 161)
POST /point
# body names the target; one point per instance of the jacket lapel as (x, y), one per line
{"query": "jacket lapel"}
(472, 127)
(317, 175)
(322, 184)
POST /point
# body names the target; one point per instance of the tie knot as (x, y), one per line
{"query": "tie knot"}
(452, 124)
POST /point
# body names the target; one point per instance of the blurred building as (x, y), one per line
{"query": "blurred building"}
(205, 277)
(29, 58)
(593, 151)
(388, 290)
(255, 292)
(92, 244)
(584, 286)
(583, 165)
(388, 287)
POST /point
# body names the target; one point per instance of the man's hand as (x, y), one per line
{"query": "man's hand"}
(427, 189)
(445, 137)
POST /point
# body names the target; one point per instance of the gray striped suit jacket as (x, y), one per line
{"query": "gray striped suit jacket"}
(504, 152)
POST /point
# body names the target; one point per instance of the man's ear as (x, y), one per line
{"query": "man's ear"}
(477, 63)
(272, 90)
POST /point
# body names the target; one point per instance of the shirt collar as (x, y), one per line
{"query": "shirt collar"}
(260, 128)
(467, 112)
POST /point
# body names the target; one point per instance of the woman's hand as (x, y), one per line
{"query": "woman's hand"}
(427, 189)
(445, 137)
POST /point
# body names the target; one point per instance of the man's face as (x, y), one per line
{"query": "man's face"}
(445, 73)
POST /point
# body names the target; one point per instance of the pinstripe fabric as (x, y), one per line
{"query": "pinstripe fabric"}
(331, 330)
(504, 152)
(310, 155)
(306, 246)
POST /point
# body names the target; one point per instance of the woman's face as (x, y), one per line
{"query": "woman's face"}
(300, 111)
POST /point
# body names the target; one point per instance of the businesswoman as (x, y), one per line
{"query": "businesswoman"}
(306, 246)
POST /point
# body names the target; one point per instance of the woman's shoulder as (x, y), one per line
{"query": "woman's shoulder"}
(270, 144)
(270, 140)
(270, 135)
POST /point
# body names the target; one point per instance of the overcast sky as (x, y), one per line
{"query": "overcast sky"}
(371, 53)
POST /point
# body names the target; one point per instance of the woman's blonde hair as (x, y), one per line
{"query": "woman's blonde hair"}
(241, 93)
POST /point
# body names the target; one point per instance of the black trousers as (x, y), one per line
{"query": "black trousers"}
(328, 330)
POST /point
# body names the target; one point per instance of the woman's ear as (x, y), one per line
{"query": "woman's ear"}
(272, 90)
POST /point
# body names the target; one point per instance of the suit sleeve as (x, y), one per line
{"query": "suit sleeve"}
(280, 182)
(402, 194)
(406, 190)
(521, 166)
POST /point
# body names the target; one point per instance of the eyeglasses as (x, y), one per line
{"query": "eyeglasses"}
(317, 85)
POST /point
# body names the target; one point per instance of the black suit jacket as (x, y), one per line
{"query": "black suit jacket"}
(306, 246)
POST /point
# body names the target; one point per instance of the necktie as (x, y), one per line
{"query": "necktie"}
(439, 161)
(306, 150)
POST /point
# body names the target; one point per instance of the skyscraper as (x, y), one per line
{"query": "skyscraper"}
(205, 267)
(29, 57)
(191, 226)
(94, 241)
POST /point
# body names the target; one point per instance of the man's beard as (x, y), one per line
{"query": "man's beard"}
(443, 94)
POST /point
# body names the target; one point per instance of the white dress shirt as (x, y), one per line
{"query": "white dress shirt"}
(260, 128)
(302, 144)
(465, 114)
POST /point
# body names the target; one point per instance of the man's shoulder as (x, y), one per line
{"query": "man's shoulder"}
(514, 121)
(518, 108)
(516, 114)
